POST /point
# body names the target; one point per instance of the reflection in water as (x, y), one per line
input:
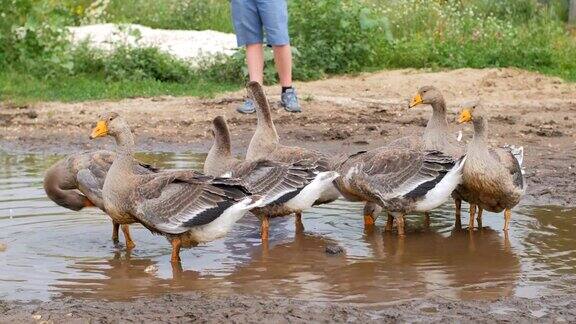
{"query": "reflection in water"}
(53, 252)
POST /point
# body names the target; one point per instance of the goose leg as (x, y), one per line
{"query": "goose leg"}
(479, 217)
(389, 223)
(129, 243)
(298, 223)
(115, 228)
(507, 216)
(88, 203)
(472, 214)
(427, 220)
(176, 245)
(458, 222)
(264, 227)
(400, 224)
(369, 220)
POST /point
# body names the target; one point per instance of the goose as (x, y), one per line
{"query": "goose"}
(265, 144)
(399, 179)
(438, 135)
(75, 182)
(492, 177)
(185, 206)
(286, 188)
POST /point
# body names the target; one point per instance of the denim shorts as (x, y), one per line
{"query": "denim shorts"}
(252, 18)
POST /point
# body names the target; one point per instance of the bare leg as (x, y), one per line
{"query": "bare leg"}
(389, 223)
(400, 224)
(115, 228)
(479, 217)
(298, 223)
(283, 60)
(507, 216)
(264, 227)
(458, 222)
(472, 214)
(255, 62)
(427, 220)
(176, 245)
(129, 243)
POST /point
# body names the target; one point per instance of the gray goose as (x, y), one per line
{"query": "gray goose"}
(438, 135)
(399, 179)
(265, 144)
(76, 181)
(186, 207)
(492, 177)
(286, 188)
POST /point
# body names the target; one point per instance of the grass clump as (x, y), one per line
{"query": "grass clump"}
(173, 14)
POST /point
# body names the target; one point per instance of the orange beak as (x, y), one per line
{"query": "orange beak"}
(416, 100)
(465, 116)
(100, 130)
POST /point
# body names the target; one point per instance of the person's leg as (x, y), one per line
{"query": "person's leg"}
(255, 62)
(283, 60)
(274, 16)
(248, 28)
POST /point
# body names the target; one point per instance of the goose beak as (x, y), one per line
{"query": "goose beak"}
(100, 130)
(465, 116)
(416, 100)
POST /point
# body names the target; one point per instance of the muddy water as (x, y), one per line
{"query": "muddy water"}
(49, 252)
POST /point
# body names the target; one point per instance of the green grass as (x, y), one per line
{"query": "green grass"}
(173, 14)
(21, 88)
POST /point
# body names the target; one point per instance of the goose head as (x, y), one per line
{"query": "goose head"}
(470, 112)
(109, 124)
(429, 95)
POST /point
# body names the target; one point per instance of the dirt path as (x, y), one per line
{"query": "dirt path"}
(340, 114)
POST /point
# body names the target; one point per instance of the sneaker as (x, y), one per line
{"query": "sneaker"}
(289, 101)
(247, 107)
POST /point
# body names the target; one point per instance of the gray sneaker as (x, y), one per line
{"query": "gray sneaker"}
(247, 107)
(289, 101)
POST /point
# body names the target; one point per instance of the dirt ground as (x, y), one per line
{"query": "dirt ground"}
(342, 114)
(247, 309)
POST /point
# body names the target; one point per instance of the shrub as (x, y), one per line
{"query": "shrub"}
(32, 38)
(335, 36)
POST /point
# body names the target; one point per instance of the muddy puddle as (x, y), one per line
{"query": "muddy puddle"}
(49, 252)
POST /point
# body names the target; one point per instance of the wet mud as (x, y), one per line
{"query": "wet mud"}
(57, 265)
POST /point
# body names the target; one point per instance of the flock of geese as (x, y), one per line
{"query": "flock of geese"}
(408, 175)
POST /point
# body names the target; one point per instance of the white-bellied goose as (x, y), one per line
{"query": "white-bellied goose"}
(265, 143)
(400, 179)
(185, 206)
(287, 188)
(438, 134)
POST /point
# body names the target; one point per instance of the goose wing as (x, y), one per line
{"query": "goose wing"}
(293, 154)
(173, 202)
(92, 168)
(394, 172)
(507, 158)
(276, 182)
